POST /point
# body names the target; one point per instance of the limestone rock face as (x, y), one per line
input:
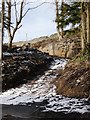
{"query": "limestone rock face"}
(67, 47)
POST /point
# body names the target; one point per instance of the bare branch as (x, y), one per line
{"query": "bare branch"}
(19, 26)
(33, 8)
(19, 15)
(15, 11)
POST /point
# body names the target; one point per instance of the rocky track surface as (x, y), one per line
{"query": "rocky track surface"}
(37, 98)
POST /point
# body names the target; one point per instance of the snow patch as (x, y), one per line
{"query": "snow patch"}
(43, 89)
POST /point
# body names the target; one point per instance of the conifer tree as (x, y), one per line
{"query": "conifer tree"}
(69, 13)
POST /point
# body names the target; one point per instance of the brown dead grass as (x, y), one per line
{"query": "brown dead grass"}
(74, 81)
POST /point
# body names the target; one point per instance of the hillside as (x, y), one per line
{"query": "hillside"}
(31, 93)
(74, 80)
(76, 74)
(45, 85)
(69, 46)
(25, 63)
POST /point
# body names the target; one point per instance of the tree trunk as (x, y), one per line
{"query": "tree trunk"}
(57, 19)
(9, 24)
(83, 27)
(2, 29)
(62, 19)
(88, 31)
(61, 32)
(88, 23)
(10, 42)
(11, 32)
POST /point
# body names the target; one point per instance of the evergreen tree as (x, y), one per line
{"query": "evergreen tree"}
(69, 13)
(77, 14)
(74, 14)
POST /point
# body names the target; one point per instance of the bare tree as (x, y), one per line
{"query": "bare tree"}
(88, 23)
(58, 27)
(57, 19)
(2, 29)
(83, 25)
(62, 18)
(18, 19)
(20, 12)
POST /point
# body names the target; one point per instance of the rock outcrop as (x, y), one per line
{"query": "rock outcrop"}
(69, 46)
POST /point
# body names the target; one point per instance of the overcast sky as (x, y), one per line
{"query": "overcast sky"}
(38, 22)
